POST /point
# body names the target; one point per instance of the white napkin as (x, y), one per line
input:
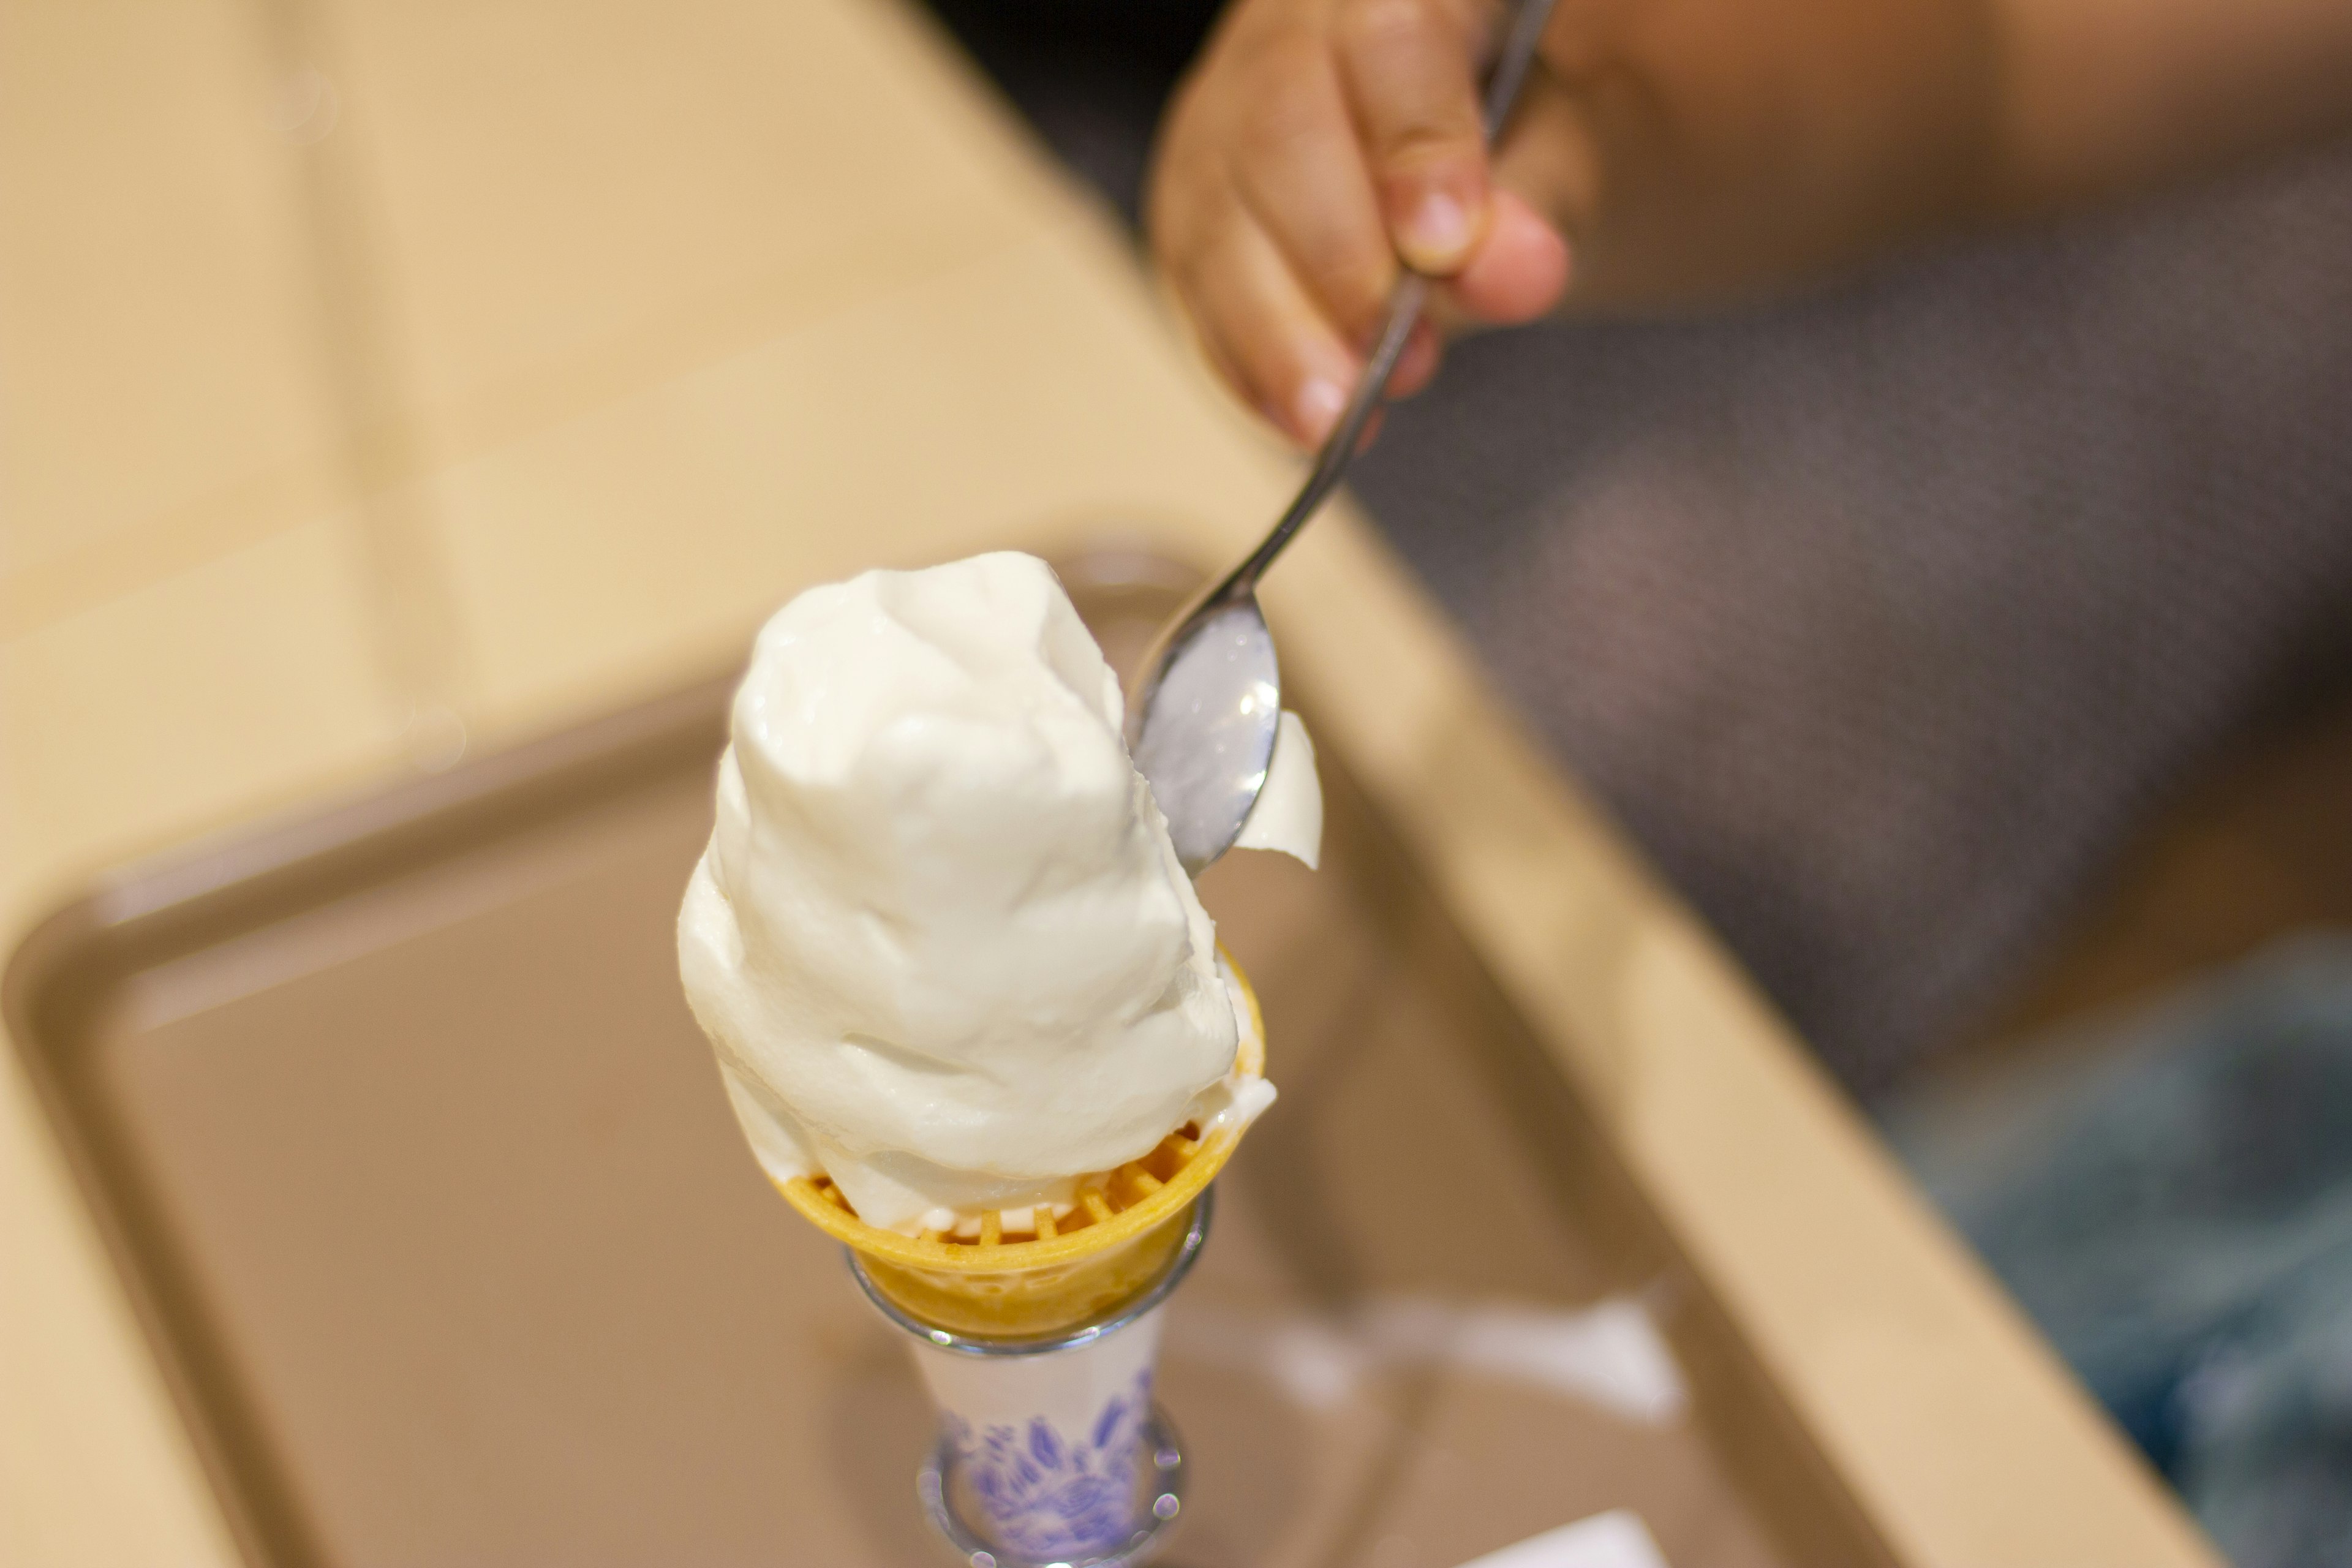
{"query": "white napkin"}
(1612, 1540)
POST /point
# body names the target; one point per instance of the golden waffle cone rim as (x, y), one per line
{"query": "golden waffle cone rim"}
(1172, 1199)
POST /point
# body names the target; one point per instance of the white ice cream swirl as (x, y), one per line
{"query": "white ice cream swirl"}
(939, 939)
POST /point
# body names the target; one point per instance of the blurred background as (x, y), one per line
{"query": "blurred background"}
(1969, 638)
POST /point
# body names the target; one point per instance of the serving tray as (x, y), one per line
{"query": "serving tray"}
(421, 1180)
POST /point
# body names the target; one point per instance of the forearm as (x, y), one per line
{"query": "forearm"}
(1698, 151)
(1702, 151)
(2107, 95)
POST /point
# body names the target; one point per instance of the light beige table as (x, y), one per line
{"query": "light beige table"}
(376, 379)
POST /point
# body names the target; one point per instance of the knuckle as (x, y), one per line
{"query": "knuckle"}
(1283, 54)
(1287, 116)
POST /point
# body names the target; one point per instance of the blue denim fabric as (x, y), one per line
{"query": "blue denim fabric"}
(2171, 1196)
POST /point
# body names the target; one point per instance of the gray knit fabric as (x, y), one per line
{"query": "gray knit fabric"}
(1882, 618)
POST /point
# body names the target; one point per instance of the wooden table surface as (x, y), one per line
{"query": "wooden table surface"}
(382, 380)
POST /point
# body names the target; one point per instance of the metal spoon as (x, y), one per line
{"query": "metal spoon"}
(1200, 720)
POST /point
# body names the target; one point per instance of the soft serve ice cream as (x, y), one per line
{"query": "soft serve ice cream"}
(939, 939)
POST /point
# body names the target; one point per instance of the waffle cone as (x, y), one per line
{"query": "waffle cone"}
(1126, 1225)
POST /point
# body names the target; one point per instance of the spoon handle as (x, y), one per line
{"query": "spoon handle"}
(1406, 303)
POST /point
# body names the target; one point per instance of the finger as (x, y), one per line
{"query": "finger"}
(1519, 270)
(1300, 170)
(1176, 244)
(1410, 69)
(1260, 321)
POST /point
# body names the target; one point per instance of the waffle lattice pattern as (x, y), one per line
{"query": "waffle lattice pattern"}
(1098, 1198)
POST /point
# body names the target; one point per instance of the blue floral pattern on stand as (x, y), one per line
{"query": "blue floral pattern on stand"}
(1054, 1496)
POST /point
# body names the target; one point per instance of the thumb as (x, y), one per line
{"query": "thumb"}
(1519, 270)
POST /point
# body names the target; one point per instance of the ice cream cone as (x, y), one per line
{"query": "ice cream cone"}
(1046, 1276)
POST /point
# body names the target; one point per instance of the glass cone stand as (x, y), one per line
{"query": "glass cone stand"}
(1051, 1453)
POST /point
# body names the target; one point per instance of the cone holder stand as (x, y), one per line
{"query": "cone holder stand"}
(1050, 1452)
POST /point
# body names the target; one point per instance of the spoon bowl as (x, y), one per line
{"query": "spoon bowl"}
(1204, 736)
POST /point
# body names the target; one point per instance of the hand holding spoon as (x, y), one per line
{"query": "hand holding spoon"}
(1207, 699)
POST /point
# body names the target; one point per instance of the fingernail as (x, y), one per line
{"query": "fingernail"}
(1439, 230)
(1319, 404)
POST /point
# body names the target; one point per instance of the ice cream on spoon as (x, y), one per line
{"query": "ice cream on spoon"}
(940, 940)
